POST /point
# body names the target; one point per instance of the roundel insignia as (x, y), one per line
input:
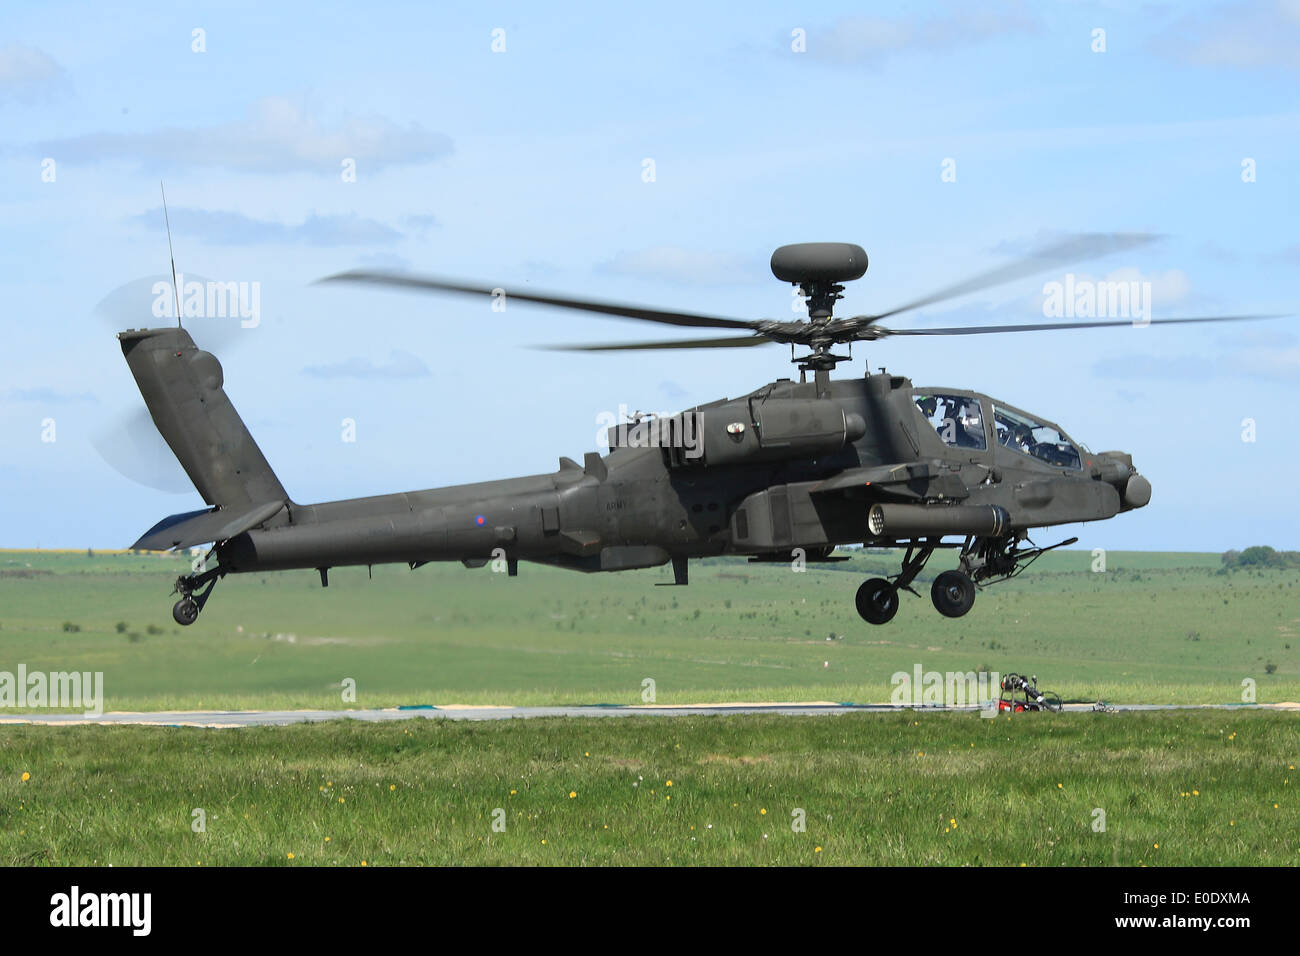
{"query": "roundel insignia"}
(480, 520)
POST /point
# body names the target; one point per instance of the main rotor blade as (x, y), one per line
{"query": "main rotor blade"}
(1047, 326)
(738, 342)
(1075, 249)
(429, 283)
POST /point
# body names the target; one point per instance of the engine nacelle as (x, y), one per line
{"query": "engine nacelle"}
(777, 430)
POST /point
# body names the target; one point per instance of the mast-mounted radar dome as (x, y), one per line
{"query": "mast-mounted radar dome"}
(809, 262)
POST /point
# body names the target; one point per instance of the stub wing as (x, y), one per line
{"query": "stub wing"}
(912, 480)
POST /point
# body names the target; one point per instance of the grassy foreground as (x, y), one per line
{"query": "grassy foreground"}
(1193, 788)
(1151, 627)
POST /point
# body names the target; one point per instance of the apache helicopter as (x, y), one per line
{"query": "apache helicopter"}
(792, 469)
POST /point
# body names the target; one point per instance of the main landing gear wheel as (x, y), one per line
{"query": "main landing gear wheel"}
(877, 601)
(194, 589)
(953, 593)
(185, 611)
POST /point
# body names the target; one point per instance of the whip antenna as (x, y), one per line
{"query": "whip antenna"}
(175, 288)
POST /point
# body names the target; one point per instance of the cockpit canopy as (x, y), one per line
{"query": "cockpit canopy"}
(1019, 432)
(959, 421)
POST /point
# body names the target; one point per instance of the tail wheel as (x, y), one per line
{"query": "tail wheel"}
(185, 611)
(953, 593)
(877, 601)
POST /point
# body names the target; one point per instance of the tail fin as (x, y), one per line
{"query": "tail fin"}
(181, 385)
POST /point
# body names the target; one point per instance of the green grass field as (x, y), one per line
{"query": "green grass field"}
(1160, 628)
(1190, 787)
(1193, 788)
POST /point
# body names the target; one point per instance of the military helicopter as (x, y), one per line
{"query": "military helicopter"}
(788, 471)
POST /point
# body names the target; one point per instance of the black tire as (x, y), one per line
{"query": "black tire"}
(953, 593)
(877, 601)
(185, 611)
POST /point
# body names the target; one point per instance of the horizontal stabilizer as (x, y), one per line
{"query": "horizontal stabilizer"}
(200, 527)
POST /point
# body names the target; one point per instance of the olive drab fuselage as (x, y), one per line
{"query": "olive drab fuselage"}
(778, 469)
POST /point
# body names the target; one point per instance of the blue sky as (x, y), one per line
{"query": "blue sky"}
(525, 167)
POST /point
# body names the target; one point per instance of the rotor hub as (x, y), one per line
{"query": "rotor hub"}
(822, 297)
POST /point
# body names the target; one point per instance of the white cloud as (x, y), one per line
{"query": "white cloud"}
(871, 39)
(233, 228)
(399, 365)
(29, 75)
(278, 136)
(1247, 36)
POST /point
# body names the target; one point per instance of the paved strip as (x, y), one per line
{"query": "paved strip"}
(261, 718)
